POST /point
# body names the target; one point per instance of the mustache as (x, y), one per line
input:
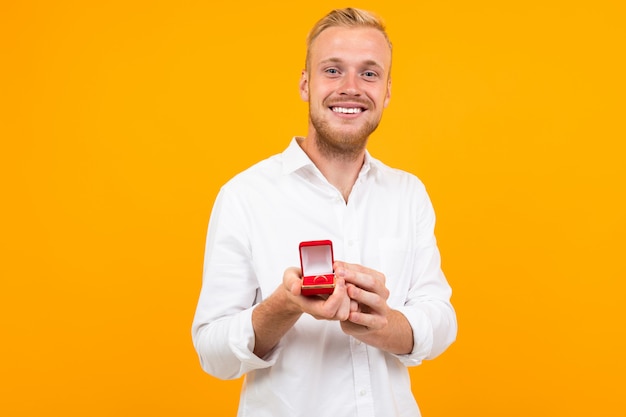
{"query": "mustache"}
(337, 103)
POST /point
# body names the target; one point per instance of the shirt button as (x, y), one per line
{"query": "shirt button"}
(362, 393)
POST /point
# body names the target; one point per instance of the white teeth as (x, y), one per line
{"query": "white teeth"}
(347, 109)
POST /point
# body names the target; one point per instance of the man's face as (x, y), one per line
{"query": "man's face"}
(347, 86)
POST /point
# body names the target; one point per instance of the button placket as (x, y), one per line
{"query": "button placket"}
(362, 378)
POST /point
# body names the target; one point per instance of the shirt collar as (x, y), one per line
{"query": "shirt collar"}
(295, 158)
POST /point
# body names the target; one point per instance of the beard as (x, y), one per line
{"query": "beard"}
(337, 144)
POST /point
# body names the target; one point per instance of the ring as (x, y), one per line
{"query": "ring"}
(320, 277)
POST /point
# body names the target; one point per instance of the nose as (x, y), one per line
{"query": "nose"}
(350, 86)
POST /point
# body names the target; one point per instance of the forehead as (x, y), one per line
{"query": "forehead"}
(351, 44)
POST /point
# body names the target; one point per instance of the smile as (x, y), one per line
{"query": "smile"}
(347, 110)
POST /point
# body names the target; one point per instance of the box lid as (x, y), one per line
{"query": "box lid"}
(316, 257)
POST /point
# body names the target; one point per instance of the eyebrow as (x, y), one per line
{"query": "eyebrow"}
(368, 62)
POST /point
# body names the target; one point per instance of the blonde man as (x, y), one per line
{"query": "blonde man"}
(347, 353)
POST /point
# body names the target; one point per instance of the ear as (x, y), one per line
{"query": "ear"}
(388, 95)
(304, 86)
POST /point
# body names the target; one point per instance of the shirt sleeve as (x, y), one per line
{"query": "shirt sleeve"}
(427, 307)
(222, 331)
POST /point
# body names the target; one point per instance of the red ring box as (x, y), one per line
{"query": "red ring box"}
(316, 261)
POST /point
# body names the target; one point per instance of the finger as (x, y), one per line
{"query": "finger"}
(368, 301)
(362, 277)
(344, 309)
(353, 329)
(368, 322)
(359, 269)
(292, 280)
(340, 300)
(334, 307)
(361, 280)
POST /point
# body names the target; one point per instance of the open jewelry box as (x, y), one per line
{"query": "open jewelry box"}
(316, 261)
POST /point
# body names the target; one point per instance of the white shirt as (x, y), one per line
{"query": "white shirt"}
(258, 220)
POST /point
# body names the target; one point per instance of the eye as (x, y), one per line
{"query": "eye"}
(332, 71)
(370, 74)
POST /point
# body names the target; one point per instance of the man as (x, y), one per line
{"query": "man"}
(345, 354)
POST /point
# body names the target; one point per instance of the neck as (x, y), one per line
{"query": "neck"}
(340, 170)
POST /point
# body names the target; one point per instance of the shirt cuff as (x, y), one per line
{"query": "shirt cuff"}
(241, 340)
(422, 336)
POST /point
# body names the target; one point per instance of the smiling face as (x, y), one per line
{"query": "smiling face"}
(347, 86)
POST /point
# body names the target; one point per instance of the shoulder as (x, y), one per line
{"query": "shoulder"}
(396, 178)
(266, 171)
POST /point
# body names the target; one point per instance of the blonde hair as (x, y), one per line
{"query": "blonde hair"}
(347, 18)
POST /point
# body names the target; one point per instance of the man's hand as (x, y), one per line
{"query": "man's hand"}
(273, 317)
(333, 307)
(371, 320)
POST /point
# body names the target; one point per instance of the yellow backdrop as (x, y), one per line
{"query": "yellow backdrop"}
(119, 121)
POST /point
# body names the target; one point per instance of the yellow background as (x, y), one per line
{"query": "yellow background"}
(119, 121)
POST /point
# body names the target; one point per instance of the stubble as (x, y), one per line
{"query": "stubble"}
(342, 145)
